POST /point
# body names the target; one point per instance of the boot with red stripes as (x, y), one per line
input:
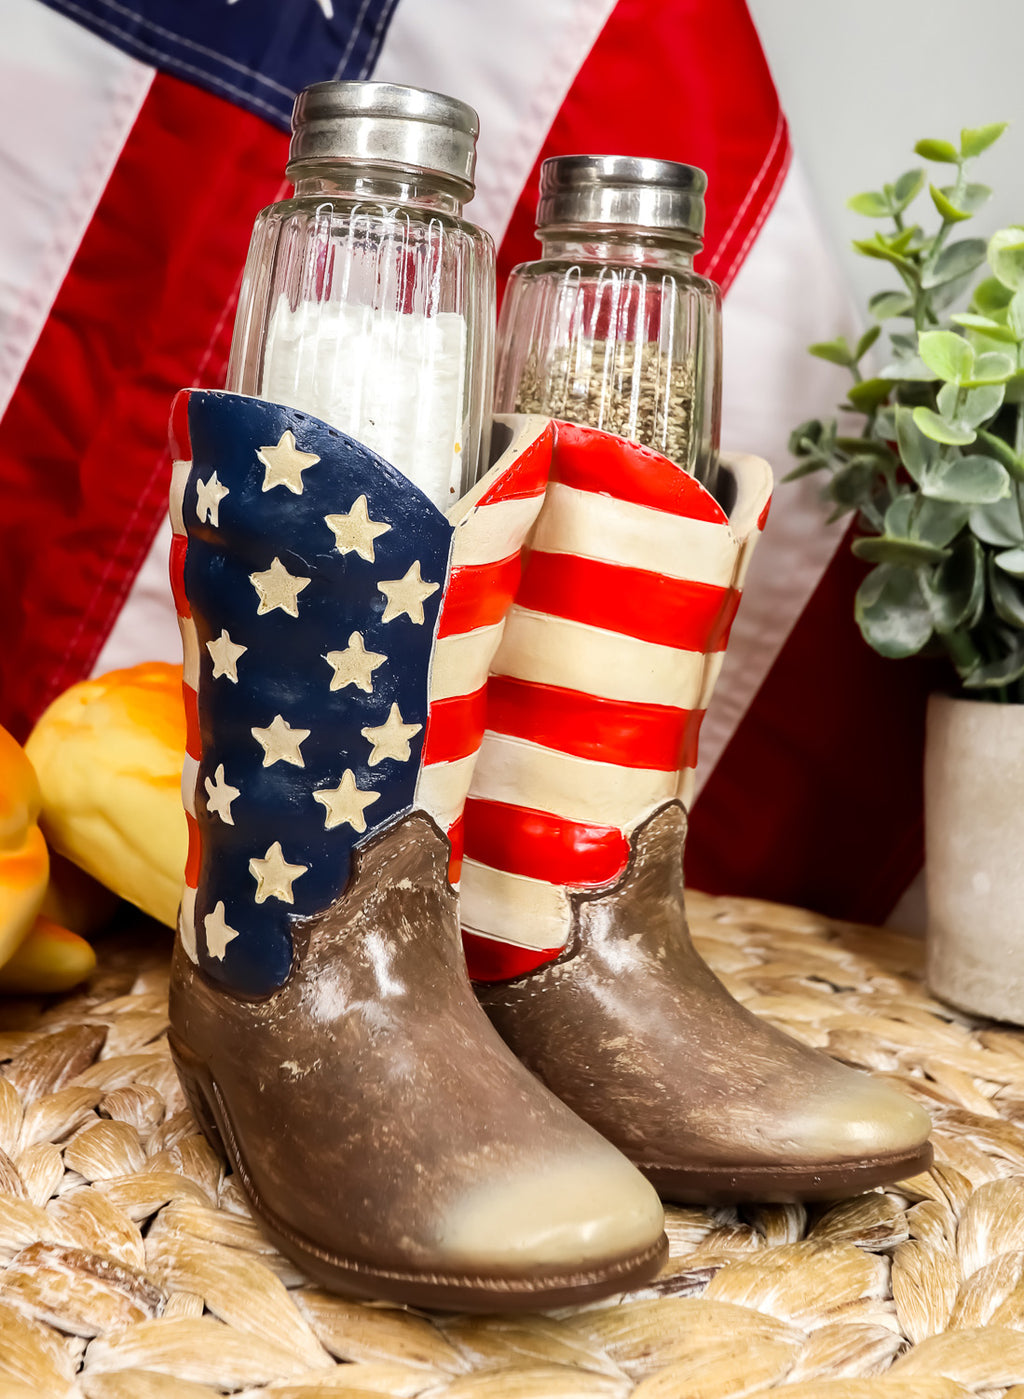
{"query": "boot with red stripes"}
(572, 886)
(337, 632)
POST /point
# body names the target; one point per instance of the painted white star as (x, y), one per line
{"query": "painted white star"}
(209, 495)
(346, 802)
(225, 653)
(274, 876)
(406, 595)
(285, 464)
(278, 588)
(391, 739)
(355, 665)
(218, 934)
(355, 532)
(219, 796)
(281, 743)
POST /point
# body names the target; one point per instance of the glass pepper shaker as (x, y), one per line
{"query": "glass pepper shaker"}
(612, 327)
(367, 299)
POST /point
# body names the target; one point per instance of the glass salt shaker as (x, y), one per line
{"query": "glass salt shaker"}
(367, 299)
(612, 327)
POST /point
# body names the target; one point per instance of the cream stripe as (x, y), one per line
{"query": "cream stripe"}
(461, 662)
(615, 531)
(494, 532)
(187, 922)
(525, 774)
(441, 789)
(189, 784)
(190, 653)
(525, 911)
(179, 478)
(553, 651)
(687, 782)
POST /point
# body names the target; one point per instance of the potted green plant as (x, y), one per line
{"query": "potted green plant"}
(935, 476)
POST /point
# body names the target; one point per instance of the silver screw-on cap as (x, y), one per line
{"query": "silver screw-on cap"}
(385, 124)
(621, 191)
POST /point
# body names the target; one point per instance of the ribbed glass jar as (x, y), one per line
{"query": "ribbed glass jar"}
(369, 301)
(612, 328)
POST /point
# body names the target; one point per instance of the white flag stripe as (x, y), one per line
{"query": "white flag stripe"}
(190, 651)
(189, 784)
(514, 65)
(493, 532)
(56, 166)
(519, 773)
(461, 662)
(499, 904)
(179, 478)
(687, 781)
(712, 670)
(574, 656)
(187, 923)
(441, 790)
(595, 526)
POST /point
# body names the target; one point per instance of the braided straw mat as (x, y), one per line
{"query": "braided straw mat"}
(131, 1269)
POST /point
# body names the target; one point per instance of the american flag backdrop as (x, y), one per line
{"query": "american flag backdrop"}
(139, 138)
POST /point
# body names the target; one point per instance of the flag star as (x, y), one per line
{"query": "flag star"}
(281, 742)
(355, 532)
(278, 588)
(219, 796)
(209, 495)
(346, 802)
(225, 653)
(218, 934)
(285, 464)
(274, 876)
(406, 595)
(355, 665)
(391, 739)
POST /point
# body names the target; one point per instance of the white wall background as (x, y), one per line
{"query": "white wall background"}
(862, 80)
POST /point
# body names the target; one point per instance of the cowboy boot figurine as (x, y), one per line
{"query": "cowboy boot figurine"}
(572, 889)
(337, 631)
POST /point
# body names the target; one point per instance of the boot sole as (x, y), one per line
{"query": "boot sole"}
(352, 1278)
(783, 1185)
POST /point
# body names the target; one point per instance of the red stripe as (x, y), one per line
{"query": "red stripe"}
(478, 595)
(145, 307)
(604, 730)
(456, 834)
(681, 81)
(762, 519)
(538, 845)
(455, 727)
(193, 740)
(178, 431)
(668, 611)
(528, 476)
(192, 859)
(490, 960)
(588, 461)
(179, 548)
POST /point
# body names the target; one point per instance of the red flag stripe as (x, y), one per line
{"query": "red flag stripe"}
(194, 851)
(454, 727)
(635, 474)
(179, 547)
(490, 960)
(529, 477)
(542, 846)
(609, 731)
(668, 611)
(479, 595)
(193, 741)
(456, 834)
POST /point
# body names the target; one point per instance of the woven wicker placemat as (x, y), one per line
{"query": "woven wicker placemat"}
(130, 1267)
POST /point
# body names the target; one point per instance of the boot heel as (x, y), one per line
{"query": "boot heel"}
(191, 1076)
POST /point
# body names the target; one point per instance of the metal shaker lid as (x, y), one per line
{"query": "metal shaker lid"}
(621, 190)
(385, 124)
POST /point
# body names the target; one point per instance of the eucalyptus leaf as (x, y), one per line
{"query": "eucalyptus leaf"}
(1013, 389)
(897, 518)
(1015, 315)
(946, 207)
(942, 151)
(868, 394)
(943, 297)
(991, 329)
(980, 404)
(906, 189)
(852, 483)
(995, 675)
(956, 590)
(956, 260)
(939, 430)
(835, 351)
(886, 304)
(1006, 256)
(868, 446)
(875, 247)
(998, 523)
(973, 480)
(990, 368)
(1007, 596)
(1011, 561)
(911, 367)
(917, 451)
(949, 355)
(866, 341)
(872, 204)
(1003, 452)
(947, 400)
(968, 198)
(990, 296)
(974, 140)
(914, 553)
(937, 522)
(892, 611)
